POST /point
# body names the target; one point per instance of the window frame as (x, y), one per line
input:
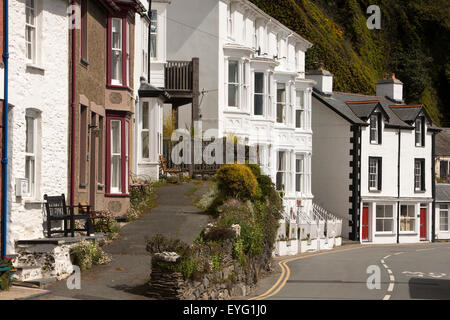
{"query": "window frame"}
(125, 29)
(447, 166)
(419, 131)
(300, 174)
(262, 94)
(153, 34)
(236, 85)
(384, 218)
(299, 108)
(281, 104)
(408, 217)
(145, 43)
(31, 193)
(421, 175)
(34, 27)
(378, 174)
(124, 120)
(441, 211)
(282, 170)
(144, 130)
(378, 127)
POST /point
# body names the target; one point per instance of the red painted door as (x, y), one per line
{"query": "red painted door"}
(423, 223)
(365, 224)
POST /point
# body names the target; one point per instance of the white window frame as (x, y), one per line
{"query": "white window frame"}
(236, 85)
(145, 43)
(282, 104)
(230, 22)
(299, 107)
(443, 210)
(144, 130)
(128, 53)
(262, 94)
(418, 132)
(374, 127)
(118, 51)
(418, 174)
(33, 25)
(410, 217)
(374, 171)
(300, 174)
(154, 34)
(116, 189)
(384, 218)
(32, 155)
(282, 169)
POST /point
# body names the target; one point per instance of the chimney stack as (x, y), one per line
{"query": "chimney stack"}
(390, 87)
(323, 78)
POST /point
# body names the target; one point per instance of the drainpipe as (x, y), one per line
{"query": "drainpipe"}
(73, 116)
(433, 189)
(5, 132)
(398, 185)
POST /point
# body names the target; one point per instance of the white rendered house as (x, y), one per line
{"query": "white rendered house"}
(373, 161)
(38, 116)
(150, 46)
(252, 85)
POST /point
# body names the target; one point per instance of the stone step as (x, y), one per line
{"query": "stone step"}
(26, 273)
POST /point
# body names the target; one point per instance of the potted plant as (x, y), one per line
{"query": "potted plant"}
(6, 273)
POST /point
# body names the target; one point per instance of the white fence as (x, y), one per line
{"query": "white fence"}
(319, 225)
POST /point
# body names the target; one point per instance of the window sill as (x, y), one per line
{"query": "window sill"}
(118, 87)
(35, 67)
(420, 191)
(117, 195)
(387, 234)
(374, 191)
(408, 233)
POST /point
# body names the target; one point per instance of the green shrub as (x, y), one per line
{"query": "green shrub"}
(88, 253)
(237, 181)
(159, 243)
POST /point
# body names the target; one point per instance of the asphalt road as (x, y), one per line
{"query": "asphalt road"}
(413, 271)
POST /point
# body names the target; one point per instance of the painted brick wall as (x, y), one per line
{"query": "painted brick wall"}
(44, 88)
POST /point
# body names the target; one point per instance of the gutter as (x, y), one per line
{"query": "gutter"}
(5, 132)
(73, 120)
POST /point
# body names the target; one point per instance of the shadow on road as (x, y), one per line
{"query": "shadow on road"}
(436, 289)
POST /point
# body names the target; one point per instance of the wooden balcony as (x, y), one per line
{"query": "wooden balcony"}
(181, 81)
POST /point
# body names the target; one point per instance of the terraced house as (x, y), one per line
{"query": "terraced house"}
(373, 161)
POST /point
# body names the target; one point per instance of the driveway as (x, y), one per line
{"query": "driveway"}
(126, 277)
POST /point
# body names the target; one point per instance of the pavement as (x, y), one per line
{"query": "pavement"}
(21, 293)
(126, 277)
(406, 271)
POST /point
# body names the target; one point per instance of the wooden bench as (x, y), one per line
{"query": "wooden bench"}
(57, 210)
(166, 170)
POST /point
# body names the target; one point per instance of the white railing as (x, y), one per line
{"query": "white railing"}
(313, 227)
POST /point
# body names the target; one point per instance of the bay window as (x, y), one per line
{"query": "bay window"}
(233, 83)
(259, 94)
(443, 218)
(117, 153)
(119, 52)
(407, 218)
(384, 218)
(281, 103)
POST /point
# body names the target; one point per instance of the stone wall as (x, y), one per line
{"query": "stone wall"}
(231, 281)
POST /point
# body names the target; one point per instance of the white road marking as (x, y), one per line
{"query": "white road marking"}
(391, 287)
(387, 297)
(392, 278)
(397, 253)
(387, 256)
(382, 261)
(385, 266)
(425, 249)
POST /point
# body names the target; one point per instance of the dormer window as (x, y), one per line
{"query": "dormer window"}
(420, 132)
(375, 128)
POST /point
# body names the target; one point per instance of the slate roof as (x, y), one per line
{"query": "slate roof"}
(443, 192)
(355, 112)
(407, 114)
(443, 143)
